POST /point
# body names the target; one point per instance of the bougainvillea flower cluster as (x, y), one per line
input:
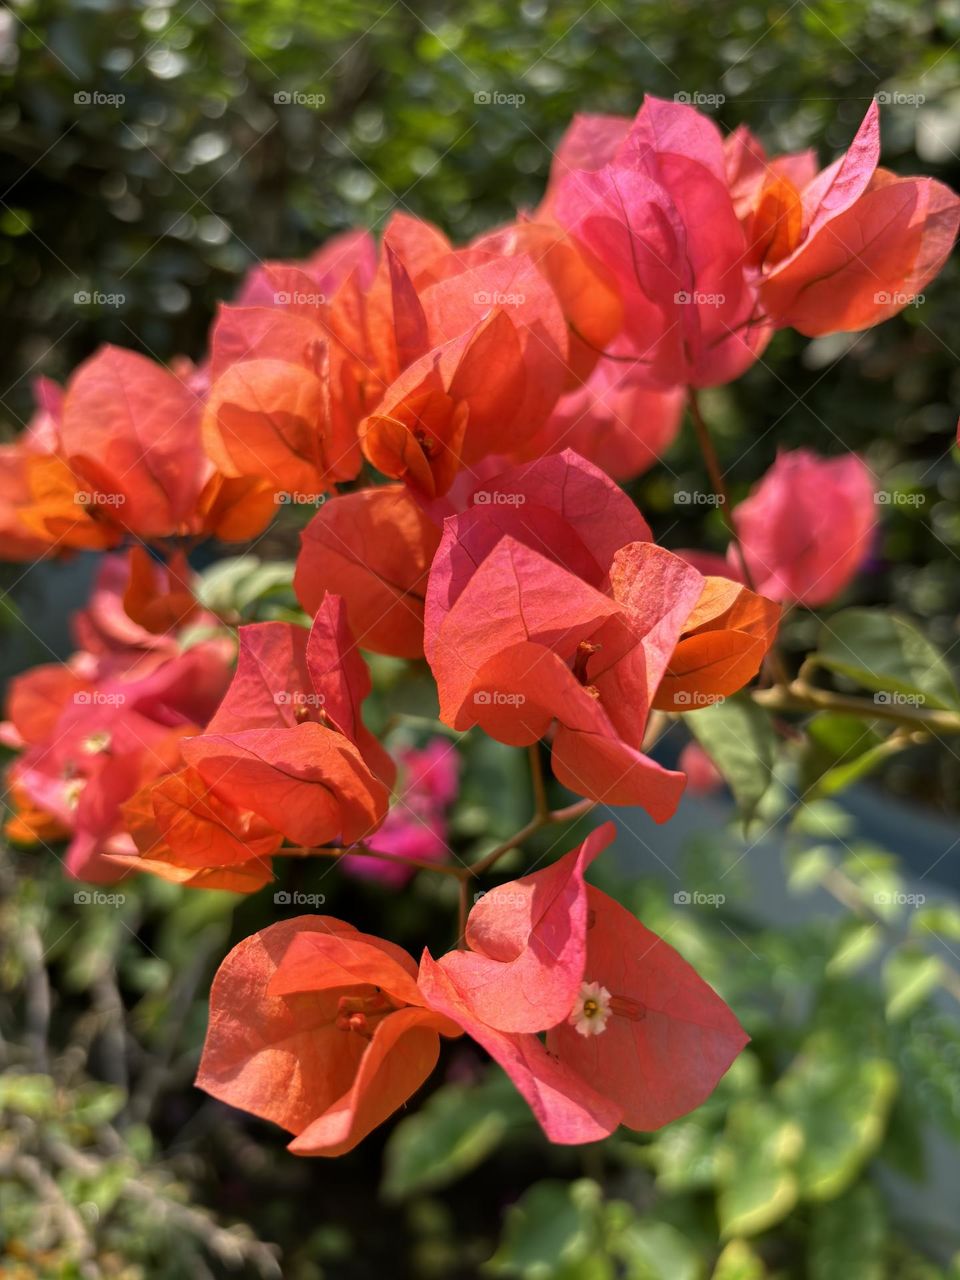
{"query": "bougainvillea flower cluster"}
(461, 416)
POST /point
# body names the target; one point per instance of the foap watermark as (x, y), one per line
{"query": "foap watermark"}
(893, 698)
(894, 898)
(94, 98)
(505, 899)
(297, 98)
(498, 498)
(497, 698)
(98, 698)
(695, 698)
(898, 498)
(298, 698)
(888, 298)
(698, 498)
(494, 98)
(694, 898)
(894, 98)
(84, 498)
(294, 498)
(294, 898)
(297, 298)
(97, 898)
(697, 99)
(484, 299)
(96, 298)
(697, 298)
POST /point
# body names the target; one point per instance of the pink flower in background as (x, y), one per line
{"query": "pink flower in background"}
(416, 825)
(807, 526)
(703, 776)
(614, 420)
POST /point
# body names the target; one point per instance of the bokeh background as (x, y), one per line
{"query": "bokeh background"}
(149, 155)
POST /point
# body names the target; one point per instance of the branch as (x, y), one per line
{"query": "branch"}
(798, 695)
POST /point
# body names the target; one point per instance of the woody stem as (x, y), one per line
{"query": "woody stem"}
(536, 823)
(712, 463)
(798, 695)
(361, 850)
(774, 660)
(541, 806)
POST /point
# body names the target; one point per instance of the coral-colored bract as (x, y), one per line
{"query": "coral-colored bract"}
(320, 1029)
(536, 946)
(548, 603)
(460, 416)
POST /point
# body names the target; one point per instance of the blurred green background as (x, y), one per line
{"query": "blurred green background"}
(154, 152)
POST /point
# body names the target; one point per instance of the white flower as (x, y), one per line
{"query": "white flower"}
(591, 1009)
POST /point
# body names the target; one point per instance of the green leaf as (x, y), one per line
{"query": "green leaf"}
(883, 652)
(942, 920)
(847, 1237)
(758, 1156)
(841, 1104)
(807, 868)
(684, 1153)
(458, 1127)
(858, 944)
(739, 738)
(909, 976)
(649, 1249)
(739, 1262)
(550, 1232)
(839, 750)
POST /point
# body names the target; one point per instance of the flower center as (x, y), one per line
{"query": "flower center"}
(363, 1014)
(595, 1006)
(591, 1009)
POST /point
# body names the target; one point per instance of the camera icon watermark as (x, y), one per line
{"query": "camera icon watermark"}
(98, 698)
(493, 98)
(895, 898)
(695, 698)
(86, 498)
(97, 898)
(299, 299)
(294, 498)
(497, 498)
(513, 901)
(696, 99)
(698, 498)
(497, 698)
(298, 698)
(894, 98)
(697, 298)
(694, 898)
(897, 498)
(96, 298)
(484, 299)
(893, 698)
(285, 898)
(893, 298)
(94, 98)
(296, 98)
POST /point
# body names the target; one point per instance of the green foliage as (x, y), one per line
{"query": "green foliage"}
(739, 736)
(880, 651)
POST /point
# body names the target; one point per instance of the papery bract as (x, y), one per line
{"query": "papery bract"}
(373, 548)
(845, 248)
(658, 215)
(320, 1029)
(807, 526)
(548, 606)
(542, 948)
(286, 755)
(614, 420)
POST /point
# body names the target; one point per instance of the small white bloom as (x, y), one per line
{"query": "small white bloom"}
(591, 1009)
